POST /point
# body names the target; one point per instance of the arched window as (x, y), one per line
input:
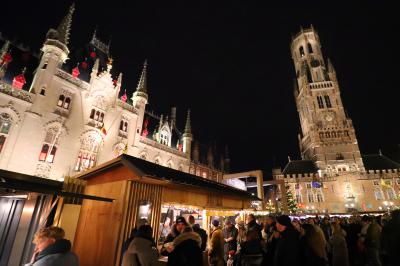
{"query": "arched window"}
(2, 142)
(43, 91)
(333, 134)
(67, 102)
(101, 118)
(310, 50)
(43, 153)
(92, 114)
(96, 116)
(327, 135)
(126, 126)
(328, 101)
(5, 126)
(121, 125)
(301, 50)
(321, 135)
(51, 141)
(87, 156)
(61, 100)
(320, 102)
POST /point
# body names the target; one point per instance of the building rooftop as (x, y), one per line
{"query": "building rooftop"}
(379, 162)
(300, 167)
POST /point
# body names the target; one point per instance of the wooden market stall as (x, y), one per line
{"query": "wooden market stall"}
(139, 189)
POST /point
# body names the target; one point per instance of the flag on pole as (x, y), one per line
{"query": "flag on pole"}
(103, 130)
(125, 151)
(316, 184)
(124, 97)
(383, 184)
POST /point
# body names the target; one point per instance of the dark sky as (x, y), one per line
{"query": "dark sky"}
(230, 64)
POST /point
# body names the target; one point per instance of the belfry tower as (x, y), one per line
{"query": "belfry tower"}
(327, 133)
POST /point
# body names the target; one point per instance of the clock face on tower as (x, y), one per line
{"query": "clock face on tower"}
(329, 116)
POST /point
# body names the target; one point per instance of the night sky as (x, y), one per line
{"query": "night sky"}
(230, 64)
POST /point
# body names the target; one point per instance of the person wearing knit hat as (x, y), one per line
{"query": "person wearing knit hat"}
(287, 249)
(283, 220)
(216, 251)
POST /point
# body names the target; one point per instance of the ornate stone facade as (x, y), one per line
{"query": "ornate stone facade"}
(332, 176)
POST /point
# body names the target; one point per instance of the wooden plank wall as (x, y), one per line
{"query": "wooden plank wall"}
(136, 193)
(97, 239)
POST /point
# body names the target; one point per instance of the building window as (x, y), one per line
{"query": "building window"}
(49, 146)
(5, 126)
(310, 197)
(328, 101)
(204, 174)
(64, 102)
(2, 142)
(327, 134)
(378, 194)
(397, 180)
(320, 102)
(320, 198)
(96, 115)
(298, 198)
(296, 186)
(310, 50)
(376, 183)
(43, 91)
(301, 50)
(123, 126)
(308, 185)
(87, 156)
(391, 194)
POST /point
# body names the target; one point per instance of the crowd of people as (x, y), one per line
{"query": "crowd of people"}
(277, 241)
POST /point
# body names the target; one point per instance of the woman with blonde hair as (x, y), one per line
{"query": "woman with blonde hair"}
(340, 255)
(312, 247)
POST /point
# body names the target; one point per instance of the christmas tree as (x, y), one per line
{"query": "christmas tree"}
(291, 202)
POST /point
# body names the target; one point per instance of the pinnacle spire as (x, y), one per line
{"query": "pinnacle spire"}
(119, 81)
(331, 69)
(142, 85)
(65, 26)
(96, 66)
(188, 127)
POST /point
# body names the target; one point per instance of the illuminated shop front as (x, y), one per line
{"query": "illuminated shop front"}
(143, 190)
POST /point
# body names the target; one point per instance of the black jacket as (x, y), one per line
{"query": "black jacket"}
(287, 248)
(254, 226)
(203, 234)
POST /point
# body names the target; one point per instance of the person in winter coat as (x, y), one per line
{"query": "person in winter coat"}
(230, 238)
(202, 233)
(338, 246)
(252, 252)
(186, 249)
(52, 249)
(253, 225)
(391, 239)
(372, 243)
(177, 228)
(312, 247)
(287, 249)
(140, 251)
(216, 252)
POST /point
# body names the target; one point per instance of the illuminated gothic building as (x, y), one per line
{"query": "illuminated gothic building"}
(71, 116)
(333, 176)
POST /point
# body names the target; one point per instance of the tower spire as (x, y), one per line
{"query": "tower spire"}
(142, 85)
(188, 127)
(331, 69)
(65, 26)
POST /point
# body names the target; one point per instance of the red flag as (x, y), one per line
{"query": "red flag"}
(19, 81)
(104, 131)
(124, 97)
(75, 72)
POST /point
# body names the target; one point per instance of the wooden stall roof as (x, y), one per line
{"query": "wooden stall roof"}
(14, 183)
(157, 172)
